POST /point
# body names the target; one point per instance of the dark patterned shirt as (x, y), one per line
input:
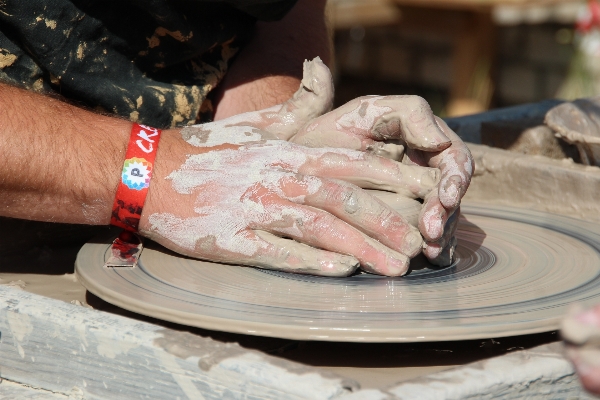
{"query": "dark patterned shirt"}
(151, 61)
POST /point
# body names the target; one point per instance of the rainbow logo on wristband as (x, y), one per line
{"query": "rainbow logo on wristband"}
(136, 173)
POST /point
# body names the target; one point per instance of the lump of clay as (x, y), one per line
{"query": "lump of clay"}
(578, 123)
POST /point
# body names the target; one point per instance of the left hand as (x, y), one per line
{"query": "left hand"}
(370, 123)
(396, 127)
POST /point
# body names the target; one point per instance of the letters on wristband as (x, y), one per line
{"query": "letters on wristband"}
(135, 177)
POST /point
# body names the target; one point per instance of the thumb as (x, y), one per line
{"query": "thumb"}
(413, 121)
(313, 99)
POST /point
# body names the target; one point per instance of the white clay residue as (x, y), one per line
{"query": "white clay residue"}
(208, 135)
(228, 198)
(364, 116)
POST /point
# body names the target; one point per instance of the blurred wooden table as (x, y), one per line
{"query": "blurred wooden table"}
(469, 23)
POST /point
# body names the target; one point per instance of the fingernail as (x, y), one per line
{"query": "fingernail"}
(397, 266)
(442, 135)
(432, 250)
(441, 140)
(412, 243)
(450, 193)
(434, 140)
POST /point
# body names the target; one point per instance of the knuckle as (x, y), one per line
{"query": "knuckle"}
(321, 224)
(388, 218)
(333, 192)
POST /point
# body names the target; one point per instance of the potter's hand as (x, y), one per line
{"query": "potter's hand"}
(233, 191)
(441, 210)
(404, 127)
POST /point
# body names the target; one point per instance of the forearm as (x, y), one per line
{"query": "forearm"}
(59, 163)
(269, 70)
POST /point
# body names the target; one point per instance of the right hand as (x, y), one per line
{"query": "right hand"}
(233, 192)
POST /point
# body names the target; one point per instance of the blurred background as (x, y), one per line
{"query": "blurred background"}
(466, 56)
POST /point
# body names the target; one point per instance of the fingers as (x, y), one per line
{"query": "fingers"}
(441, 252)
(456, 165)
(253, 248)
(356, 207)
(323, 230)
(313, 98)
(411, 120)
(372, 172)
(432, 218)
(375, 118)
(445, 256)
(290, 256)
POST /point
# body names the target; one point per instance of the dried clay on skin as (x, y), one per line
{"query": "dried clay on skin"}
(240, 189)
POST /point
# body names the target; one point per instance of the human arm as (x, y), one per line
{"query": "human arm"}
(268, 70)
(59, 163)
(62, 164)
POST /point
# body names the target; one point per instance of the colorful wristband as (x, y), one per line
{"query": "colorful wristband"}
(135, 177)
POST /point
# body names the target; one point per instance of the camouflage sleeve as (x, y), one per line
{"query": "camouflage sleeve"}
(151, 62)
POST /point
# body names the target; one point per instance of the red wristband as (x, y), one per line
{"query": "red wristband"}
(135, 177)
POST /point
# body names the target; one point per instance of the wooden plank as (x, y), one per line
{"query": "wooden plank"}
(14, 391)
(62, 348)
(539, 373)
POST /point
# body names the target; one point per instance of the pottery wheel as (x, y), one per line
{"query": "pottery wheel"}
(516, 272)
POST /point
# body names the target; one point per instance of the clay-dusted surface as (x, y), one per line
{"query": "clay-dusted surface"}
(516, 272)
(534, 182)
(47, 271)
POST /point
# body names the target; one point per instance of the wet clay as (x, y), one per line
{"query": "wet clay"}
(240, 190)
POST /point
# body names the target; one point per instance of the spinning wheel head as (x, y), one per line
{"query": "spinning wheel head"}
(516, 272)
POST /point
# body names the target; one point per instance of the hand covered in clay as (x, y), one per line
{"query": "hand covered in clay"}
(395, 127)
(230, 191)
